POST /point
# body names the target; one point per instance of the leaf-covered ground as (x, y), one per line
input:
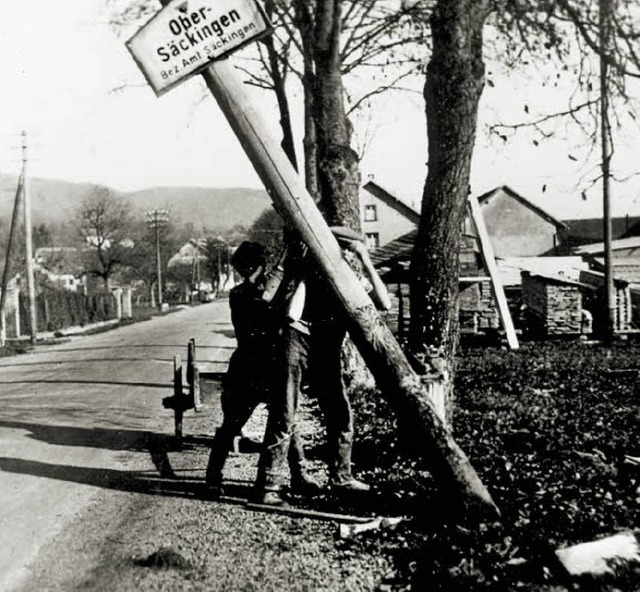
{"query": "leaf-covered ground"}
(548, 428)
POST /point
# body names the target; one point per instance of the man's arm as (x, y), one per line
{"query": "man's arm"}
(274, 278)
(379, 294)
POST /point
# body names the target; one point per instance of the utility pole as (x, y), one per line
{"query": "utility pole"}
(26, 196)
(7, 262)
(605, 18)
(156, 219)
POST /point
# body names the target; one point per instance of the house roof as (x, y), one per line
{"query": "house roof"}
(599, 275)
(395, 250)
(588, 230)
(59, 259)
(393, 200)
(556, 278)
(632, 242)
(485, 197)
(189, 252)
(511, 268)
(402, 247)
(624, 268)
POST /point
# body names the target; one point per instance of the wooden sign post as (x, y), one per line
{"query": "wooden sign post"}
(405, 391)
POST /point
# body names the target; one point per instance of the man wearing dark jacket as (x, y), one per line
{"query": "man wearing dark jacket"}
(254, 365)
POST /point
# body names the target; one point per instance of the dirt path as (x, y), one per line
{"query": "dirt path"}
(89, 497)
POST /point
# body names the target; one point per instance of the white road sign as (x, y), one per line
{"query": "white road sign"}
(186, 35)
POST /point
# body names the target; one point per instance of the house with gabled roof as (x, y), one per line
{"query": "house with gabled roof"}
(517, 226)
(193, 251)
(385, 216)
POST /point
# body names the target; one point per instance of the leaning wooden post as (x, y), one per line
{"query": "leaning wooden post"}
(488, 257)
(406, 392)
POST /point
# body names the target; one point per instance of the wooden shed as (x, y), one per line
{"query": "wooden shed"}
(478, 311)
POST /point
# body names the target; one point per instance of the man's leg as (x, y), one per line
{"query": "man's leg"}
(326, 374)
(280, 442)
(237, 408)
(301, 483)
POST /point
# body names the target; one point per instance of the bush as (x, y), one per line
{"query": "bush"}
(59, 309)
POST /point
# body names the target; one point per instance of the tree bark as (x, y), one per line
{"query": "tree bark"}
(454, 84)
(339, 179)
(304, 24)
(279, 88)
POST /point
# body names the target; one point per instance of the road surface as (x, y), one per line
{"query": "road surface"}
(72, 416)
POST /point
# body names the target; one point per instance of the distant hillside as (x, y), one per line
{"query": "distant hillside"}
(205, 207)
(56, 201)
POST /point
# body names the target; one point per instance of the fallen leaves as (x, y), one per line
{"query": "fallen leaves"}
(554, 432)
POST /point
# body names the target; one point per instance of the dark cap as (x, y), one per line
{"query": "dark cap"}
(344, 233)
(248, 257)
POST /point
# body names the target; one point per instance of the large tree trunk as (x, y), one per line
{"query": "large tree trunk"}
(454, 83)
(338, 175)
(310, 141)
(304, 24)
(279, 88)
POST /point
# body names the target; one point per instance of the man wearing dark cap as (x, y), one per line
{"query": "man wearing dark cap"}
(253, 366)
(313, 340)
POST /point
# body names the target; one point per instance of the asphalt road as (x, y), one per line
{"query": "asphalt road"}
(72, 415)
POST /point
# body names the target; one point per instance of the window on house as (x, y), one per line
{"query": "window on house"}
(370, 213)
(372, 240)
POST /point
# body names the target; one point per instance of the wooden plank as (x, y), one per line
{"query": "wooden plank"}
(349, 530)
(473, 279)
(306, 513)
(403, 389)
(194, 388)
(177, 393)
(486, 250)
(296, 511)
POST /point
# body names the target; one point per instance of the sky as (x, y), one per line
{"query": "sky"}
(63, 65)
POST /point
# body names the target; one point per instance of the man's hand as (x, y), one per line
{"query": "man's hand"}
(357, 247)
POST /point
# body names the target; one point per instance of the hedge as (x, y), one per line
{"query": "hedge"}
(58, 309)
